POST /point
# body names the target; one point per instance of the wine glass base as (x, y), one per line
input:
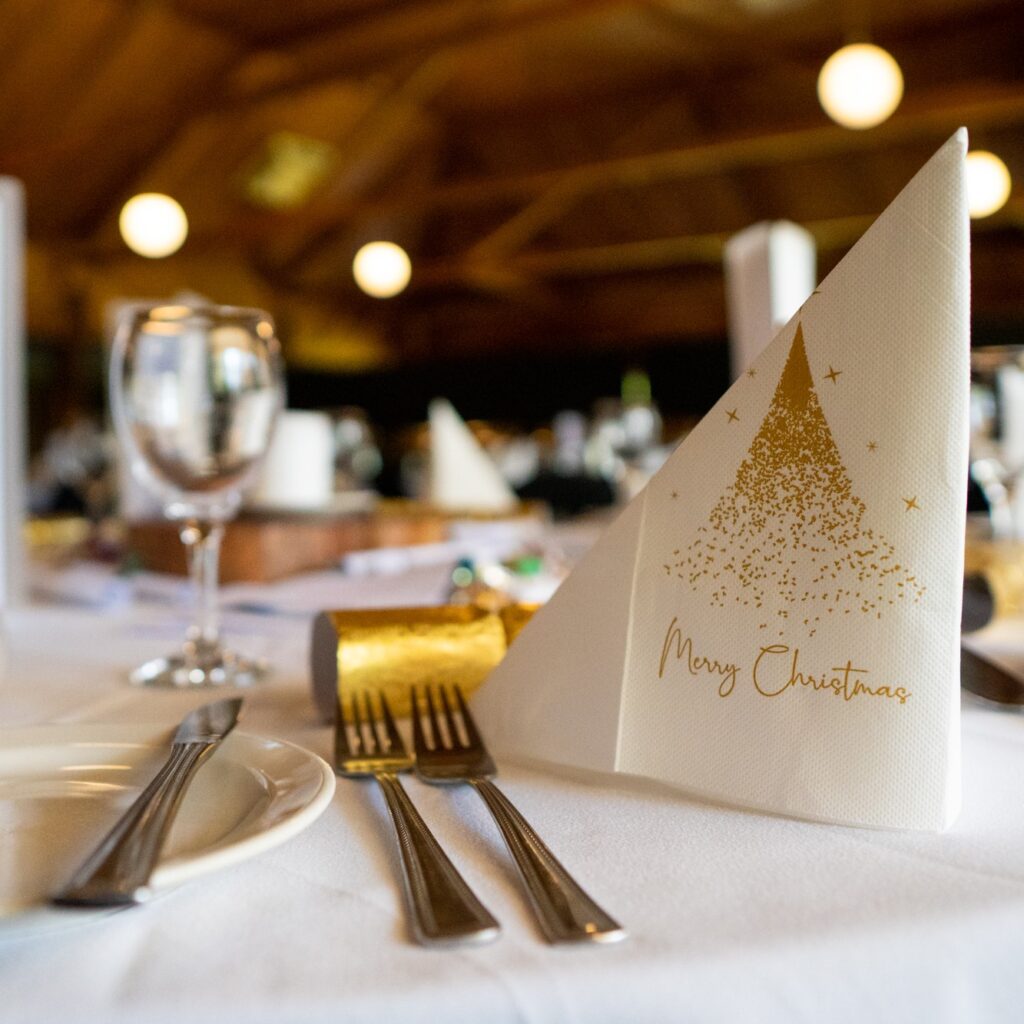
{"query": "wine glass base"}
(221, 669)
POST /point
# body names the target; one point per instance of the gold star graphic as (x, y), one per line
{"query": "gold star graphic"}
(872, 446)
(731, 413)
(751, 372)
(833, 375)
(911, 503)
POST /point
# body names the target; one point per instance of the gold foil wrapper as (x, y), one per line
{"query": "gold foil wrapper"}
(515, 616)
(392, 649)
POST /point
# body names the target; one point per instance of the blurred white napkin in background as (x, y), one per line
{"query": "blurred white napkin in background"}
(298, 471)
(769, 272)
(12, 392)
(463, 477)
(774, 621)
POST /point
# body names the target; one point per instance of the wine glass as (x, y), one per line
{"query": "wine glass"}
(195, 392)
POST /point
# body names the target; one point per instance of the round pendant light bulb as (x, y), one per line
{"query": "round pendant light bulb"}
(988, 183)
(153, 225)
(382, 269)
(860, 85)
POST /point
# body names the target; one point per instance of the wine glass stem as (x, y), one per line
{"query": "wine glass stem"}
(202, 542)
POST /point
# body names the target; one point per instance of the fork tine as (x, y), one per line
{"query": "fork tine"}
(394, 736)
(454, 739)
(375, 722)
(435, 726)
(419, 737)
(357, 724)
(342, 751)
(467, 720)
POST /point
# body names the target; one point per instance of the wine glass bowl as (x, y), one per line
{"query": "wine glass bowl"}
(195, 392)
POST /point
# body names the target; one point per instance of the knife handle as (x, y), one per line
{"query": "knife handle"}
(117, 872)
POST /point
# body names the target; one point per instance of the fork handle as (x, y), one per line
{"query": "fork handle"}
(564, 911)
(444, 910)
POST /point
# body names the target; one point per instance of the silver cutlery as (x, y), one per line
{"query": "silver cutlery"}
(443, 909)
(564, 911)
(118, 871)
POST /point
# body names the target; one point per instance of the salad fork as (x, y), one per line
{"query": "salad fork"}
(443, 909)
(564, 911)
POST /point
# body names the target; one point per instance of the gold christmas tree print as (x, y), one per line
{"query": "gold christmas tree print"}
(787, 536)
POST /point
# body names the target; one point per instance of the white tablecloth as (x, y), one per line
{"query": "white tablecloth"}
(732, 915)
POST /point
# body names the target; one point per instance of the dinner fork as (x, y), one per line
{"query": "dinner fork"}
(564, 911)
(443, 909)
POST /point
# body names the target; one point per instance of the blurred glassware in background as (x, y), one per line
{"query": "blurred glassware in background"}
(641, 420)
(997, 436)
(624, 445)
(517, 457)
(357, 456)
(570, 442)
(73, 472)
(606, 441)
(195, 392)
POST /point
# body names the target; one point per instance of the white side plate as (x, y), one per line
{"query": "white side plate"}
(63, 786)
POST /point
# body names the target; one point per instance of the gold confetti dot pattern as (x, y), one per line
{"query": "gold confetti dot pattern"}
(787, 536)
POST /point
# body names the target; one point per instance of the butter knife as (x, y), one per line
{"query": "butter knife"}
(118, 871)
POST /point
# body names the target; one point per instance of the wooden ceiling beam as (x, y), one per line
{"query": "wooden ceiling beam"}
(834, 234)
(388, 128)
(555, 202)
(924, 119)
(628, 257)
(374, 42)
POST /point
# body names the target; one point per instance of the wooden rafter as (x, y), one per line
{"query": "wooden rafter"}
(925, 119)
(394, 36)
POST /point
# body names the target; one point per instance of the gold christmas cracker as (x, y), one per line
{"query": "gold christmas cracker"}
(391, 649)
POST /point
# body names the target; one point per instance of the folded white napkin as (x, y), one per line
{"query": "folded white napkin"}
(12, 391)
(463, 477)
(774, 621)
(298, 471)
(769, 272)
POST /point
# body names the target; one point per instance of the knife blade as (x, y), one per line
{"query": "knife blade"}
(118, 871)
(988, 680)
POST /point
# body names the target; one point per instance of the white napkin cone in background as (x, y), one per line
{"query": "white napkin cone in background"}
(774, 621)
(298, 470)
(13, 590)
(769, 272)
(463, 477)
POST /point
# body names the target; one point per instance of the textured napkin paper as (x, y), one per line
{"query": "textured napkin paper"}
(774, 621)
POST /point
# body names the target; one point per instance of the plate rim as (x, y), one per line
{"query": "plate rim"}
(179, 869)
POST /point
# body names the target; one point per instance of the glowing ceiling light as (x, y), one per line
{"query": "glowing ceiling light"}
(153, 225)
(988, 183)
(860, 85)
(381, 269)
